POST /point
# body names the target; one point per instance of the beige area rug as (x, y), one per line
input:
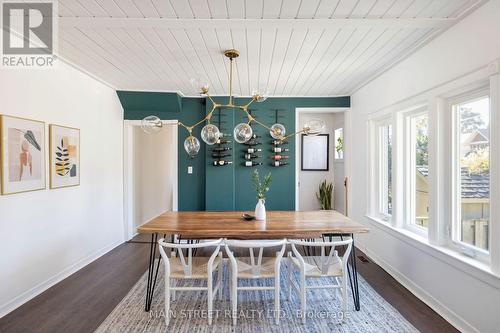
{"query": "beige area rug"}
(256, 311)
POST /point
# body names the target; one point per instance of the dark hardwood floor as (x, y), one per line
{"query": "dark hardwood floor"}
(82, 301)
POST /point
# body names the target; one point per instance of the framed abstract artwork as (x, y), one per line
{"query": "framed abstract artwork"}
(315, 152)
(64, 156)
(22, 157)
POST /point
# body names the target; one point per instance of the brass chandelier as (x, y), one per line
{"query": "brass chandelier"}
(242, 132)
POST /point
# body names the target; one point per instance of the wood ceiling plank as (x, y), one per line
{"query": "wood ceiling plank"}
(255, 8)
(239, 41)
(166, 8)
(94, 8)
(215, 49)
(218, 9)
(236, 9)
(272, 8)
(111, 7)
(210, 71)
(363, 9)
(371, 53)
(344, 52)
(147, 8)
(129, 8)
(408, 40)
(266, 53)
(308, 48)
(283, 39)
(77, 8)
(290, 9)
(365, 47)
(189, 9)
(297, 41)
(253, 42)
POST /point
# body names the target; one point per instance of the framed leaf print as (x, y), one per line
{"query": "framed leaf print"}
(64, 156)
(22, 146)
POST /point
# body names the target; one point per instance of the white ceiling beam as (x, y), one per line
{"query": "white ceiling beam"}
(168, 23)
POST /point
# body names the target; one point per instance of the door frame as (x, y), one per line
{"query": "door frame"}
(128, 173)
(347, 126)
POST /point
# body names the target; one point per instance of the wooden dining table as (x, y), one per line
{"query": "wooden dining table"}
(230, 224)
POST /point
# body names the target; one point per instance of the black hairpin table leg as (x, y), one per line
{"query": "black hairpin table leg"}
(352, 270)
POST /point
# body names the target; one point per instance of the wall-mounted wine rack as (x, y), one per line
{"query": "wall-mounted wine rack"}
(252, 153)
(277, 149)
(221, 153)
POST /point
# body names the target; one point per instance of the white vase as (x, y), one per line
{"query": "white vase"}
(260, 210)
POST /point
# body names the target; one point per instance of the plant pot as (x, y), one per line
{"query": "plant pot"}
(260, 210)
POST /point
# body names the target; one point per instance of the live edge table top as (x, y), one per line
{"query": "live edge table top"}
(230, 224)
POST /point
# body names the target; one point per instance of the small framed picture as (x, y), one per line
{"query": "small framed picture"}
(64, 156)
(315, 152)
(22, 146)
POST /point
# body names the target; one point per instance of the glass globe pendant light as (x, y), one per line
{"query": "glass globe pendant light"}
(151, 124)
(242, 132)
(277, 131)
(210, 134)
(192, 145)
(314, 127)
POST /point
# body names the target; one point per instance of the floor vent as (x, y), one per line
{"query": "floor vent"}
(363, 259)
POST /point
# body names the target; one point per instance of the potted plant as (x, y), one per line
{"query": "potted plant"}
(261, 188)
(325, 195)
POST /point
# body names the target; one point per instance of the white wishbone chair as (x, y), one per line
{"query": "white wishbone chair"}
(327, 264)
(254, 267)
(182, 266)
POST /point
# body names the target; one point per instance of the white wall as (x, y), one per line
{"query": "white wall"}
(153, 173)
(468, 302)
(310, 180)
(48, 234)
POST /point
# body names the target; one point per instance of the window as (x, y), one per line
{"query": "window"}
(471, 176)
(383, 169)
(417, 171)
(385, 135)
(339, 144)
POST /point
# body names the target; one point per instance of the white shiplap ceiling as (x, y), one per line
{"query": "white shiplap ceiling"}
(287, 47)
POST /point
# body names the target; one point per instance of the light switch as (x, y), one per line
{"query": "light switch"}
(190, 169)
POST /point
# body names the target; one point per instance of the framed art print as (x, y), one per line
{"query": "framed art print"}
(315, 152)
(64, 156)
(22, 146)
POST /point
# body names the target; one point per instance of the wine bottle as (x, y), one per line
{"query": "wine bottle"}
(279, 163)
(279, 157)
(221, 149)
(222, 142)
(222, 162)
(252, 143)
(251, 156)
(251, 163)
(219, 155)
(279, 142)
(253, 150)
(279, 150)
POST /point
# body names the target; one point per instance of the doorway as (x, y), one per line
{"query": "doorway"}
(150, 173)
(308, 182)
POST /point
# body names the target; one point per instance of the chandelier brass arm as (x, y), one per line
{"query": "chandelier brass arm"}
(243, 132)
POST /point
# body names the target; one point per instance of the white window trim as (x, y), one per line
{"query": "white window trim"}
(410, 173)
(377, 168)
(451, 237)
(439, 166)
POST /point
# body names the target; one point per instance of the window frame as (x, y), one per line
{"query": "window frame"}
(409, 172)
(380, 172)
(453, 229)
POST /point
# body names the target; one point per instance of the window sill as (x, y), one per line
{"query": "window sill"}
(479, 269)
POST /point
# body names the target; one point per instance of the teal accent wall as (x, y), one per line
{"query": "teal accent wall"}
(227, 187)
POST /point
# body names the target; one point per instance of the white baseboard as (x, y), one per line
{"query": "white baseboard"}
(41, 287)
(421, 294)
